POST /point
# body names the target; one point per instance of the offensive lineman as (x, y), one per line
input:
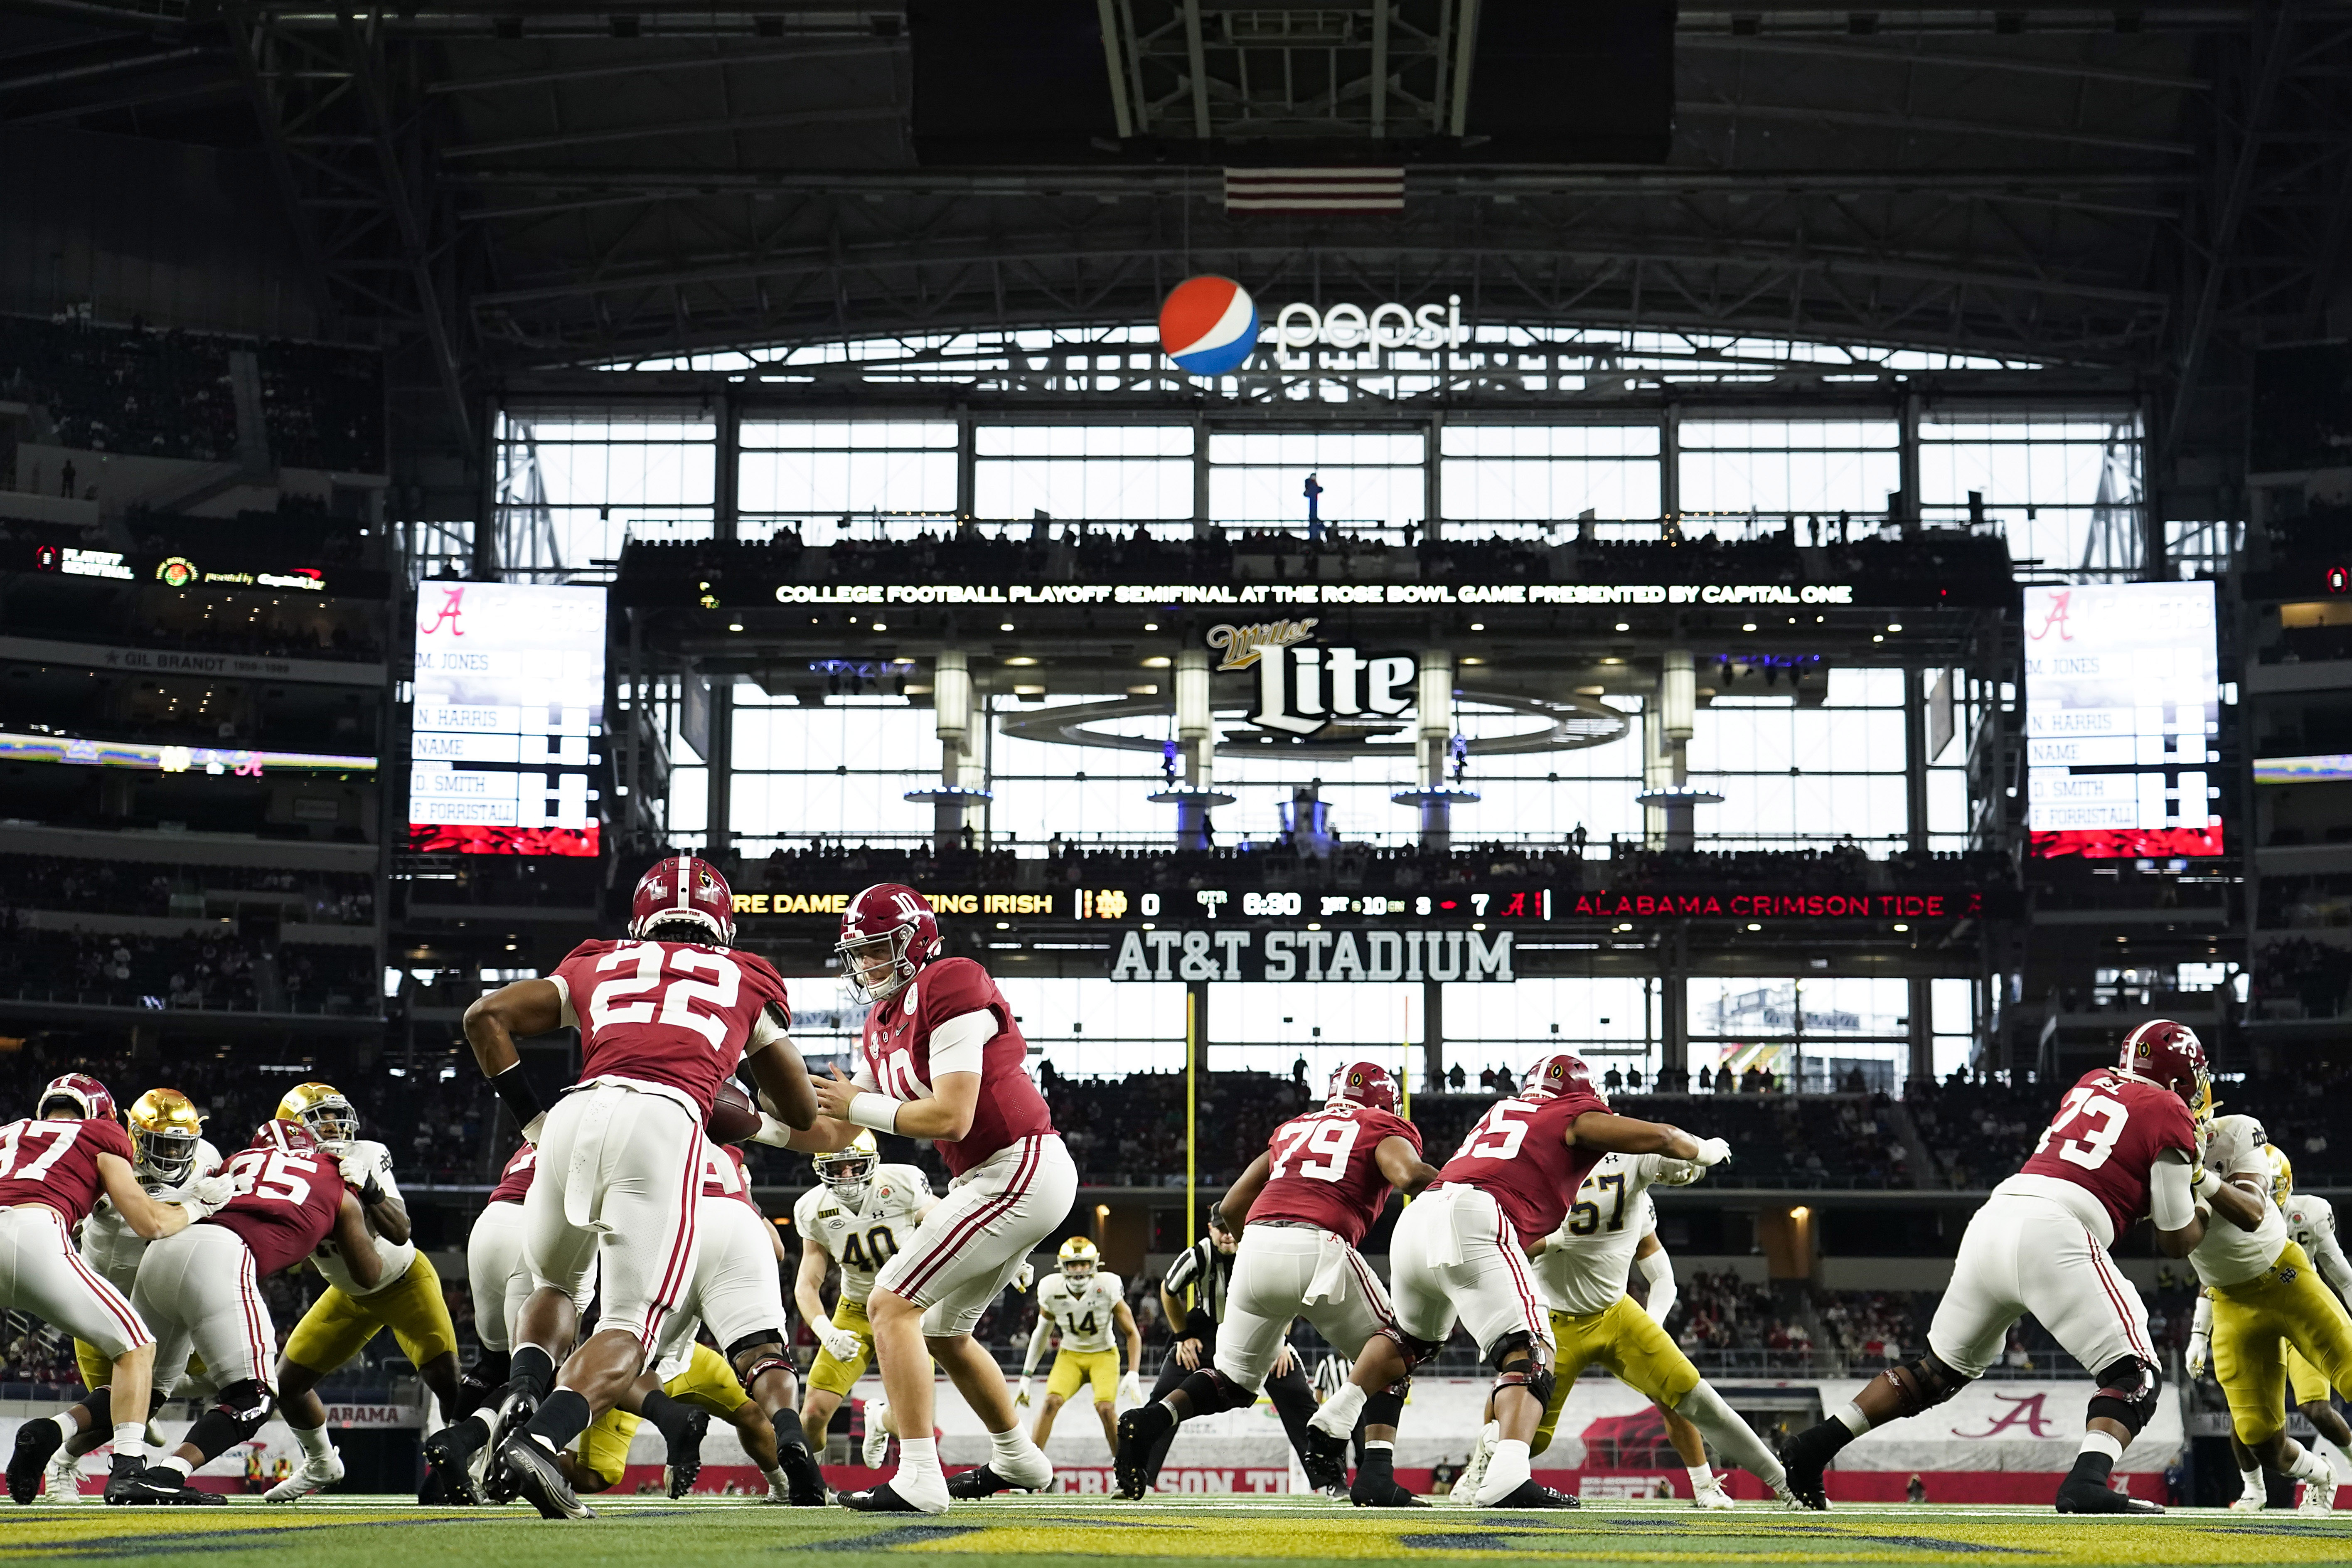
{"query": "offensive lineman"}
(2125, 1142)
(1305, 1204)
(664, 1016)
(942, 1058)
(1087, 1306)
(1457, 1255)
(1581, 1273)
(860, 1215)
(53, 1166)
(406, 1299)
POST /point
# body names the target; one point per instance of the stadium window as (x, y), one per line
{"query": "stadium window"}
(2065, 490)
(1733, 468)
(819, 477)
(1098, 472)
(572, 492)
(1370, 478)
(1548, 472)
(1259, 1027)
(1747, 1021)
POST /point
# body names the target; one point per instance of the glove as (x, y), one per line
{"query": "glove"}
(1021, 1394)
(1130, 1391)
(363, 1175)
(207, 1195)
(1713, 1151)
(1024, 1276)
(840, 1344)
(2199, 1346)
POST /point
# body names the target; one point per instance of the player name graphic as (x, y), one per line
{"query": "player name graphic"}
(1347, 957)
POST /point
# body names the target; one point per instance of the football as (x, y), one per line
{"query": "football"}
(734, 1115)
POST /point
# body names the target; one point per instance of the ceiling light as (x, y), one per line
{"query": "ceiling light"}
(1028, 692)
(1900, 926)
(1152, 625)
(1004, 625)
(1143, 692)
(1753, 926)
(1023, 659)
(1473, 661)
(1477, 626)
(1895, 625)
(1155, 662)
(734, 626)
(1591, 691)
(1878, 636)
(1747, 625)
(1623, 627)
(880, 627)
(1613, 661)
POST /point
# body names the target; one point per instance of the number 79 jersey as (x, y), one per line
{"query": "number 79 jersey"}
(1324, 1169)
(863, 1240)
(2109, 1132)
(675, 1013)
(1586, 1265)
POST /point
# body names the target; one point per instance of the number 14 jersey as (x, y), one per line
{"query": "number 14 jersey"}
(1326, 1172)
(2108, 1135)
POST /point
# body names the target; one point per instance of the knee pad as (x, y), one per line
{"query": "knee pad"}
(1539, 1380)
(1385, 1408)
(100, 1403)
(762, 1340)
(2127, 1392)
(1415, 1351)
(1922, 1384)
(1517, 1343)
(249, 1400)
(1208, 1391)
(765, 1364)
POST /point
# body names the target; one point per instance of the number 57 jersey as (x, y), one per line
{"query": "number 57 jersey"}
(1324, 1169)
(2109, 1132)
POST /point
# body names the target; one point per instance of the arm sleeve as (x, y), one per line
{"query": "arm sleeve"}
(2169, 1201)
(957, 1043)
(563, 990)
(767, 1029)
(2201, 1321)
(1658, 1269)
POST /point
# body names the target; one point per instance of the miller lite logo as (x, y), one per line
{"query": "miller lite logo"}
(1302, 689)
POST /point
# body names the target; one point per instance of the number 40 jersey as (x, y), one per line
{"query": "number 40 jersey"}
(1324, 1171)
(863, 1240)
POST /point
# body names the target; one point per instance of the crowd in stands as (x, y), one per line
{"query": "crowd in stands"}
(1978, 1128)
(227, 971)
(157, 888)
(2298, 976)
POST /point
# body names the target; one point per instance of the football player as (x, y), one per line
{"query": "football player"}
(860, 1215)
(1581, 1273)
(698, 1380)
(942, 1058)
(664, 1016)
(1088, 1305)
(53, 1167)
(1457, 1255)
(1657, 1293)
(2264, 1297)
(406, 1299)
(2124, 1143)
(1305, 1204)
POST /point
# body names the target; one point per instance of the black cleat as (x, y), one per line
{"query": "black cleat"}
(1137, 1432)
(528, 1471)
(1809, 1454)
(1534, 1494)
(2097, 1497)
(36, 1440)
(452, 1462)
(685, 1454)
(132, 1486)
(1387, 1493)
(882, 1499)
(803, 1474)
(1322, 1453)
(964, 1484)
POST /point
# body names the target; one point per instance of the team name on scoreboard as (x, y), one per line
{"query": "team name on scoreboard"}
(942, 903)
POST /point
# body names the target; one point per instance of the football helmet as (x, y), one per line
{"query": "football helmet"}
(2281, 1174)
(1079, 1259)
(165, 1128)
(1553, 1074)
(2169, 1056)
(848, 1171)
(324, 1110)
(286, 1137)
(684, 888)
(1366, 1083)
(84, 1093)
(891, 924)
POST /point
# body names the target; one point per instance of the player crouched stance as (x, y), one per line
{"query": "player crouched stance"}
(54, 1165)
(1088, 1306)
(1305, 1204)
(861, 1213)
(1458, 1254)
(942, 1058)
(2123, 1145)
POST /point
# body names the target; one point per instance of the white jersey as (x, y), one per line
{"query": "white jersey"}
(1086, 1310)
(109, 1244)
(864, 1239)
(1585, 1263)
(396, 1254)
(2228, 1255)
(2311, 1225)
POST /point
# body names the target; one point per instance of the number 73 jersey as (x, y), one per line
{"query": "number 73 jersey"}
(1325, 1171)
(1585, 1265)
(2109, 1132)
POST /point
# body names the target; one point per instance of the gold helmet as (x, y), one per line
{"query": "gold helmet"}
(1079, 1259)
(164, 1131)
(848, 1171)
(322, 1108)
(2281, 1174)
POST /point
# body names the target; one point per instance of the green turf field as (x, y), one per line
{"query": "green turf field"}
(375, 1532)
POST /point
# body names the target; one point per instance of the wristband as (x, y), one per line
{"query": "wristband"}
(516, 1090)
(2208, 1184)
(879, 1112)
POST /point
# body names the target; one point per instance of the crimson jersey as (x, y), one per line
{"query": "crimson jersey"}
(56, 1163)
(1326, 1170)
(285, 1206)
(1519, 1152)
(724, 1175)
(514, 1182)
(2106, 1138)
(896, 1053)
(674, 1012)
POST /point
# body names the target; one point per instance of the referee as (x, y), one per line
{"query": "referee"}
(1209, 1265)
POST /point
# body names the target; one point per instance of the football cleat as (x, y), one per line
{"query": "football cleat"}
(882, 1499)
(1382, 1494)
(158, 1485)
(315, 1475)
(1788, 1498)
(1715, 1496)
(2318, 1497)
(2097, 1497)
(974, 1483)
(685, 1454)
(36, 1441)
(876, 1445)
(2249, 1501)
(803, 1476)
(527, 1469)
(1474, 1474)
(1806, 1457)
(1138, 1429)
(61, 1482)
(1535, 1494)
(456, 1459)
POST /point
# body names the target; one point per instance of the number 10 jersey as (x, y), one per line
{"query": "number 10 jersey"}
(1326, 1172)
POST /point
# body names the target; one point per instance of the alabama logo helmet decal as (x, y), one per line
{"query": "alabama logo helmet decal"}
(1208, 325)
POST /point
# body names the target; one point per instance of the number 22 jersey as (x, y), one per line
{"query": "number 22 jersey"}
(675, 1013)
(1326, 1171)
(2109, 1132)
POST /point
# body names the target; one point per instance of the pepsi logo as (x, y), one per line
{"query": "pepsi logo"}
(1208, 325)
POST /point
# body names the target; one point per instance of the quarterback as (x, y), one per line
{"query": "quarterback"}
(1087, 1306)
(860, 1215)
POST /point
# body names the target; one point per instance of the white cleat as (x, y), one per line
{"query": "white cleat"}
(2250, 1502)
(1713, 1497)
(61, 1482)
(877, 1447)
(1474, 1474)
(315, 1475)
(2317, 1497)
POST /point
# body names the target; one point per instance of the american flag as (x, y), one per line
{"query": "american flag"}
(1315, 190)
